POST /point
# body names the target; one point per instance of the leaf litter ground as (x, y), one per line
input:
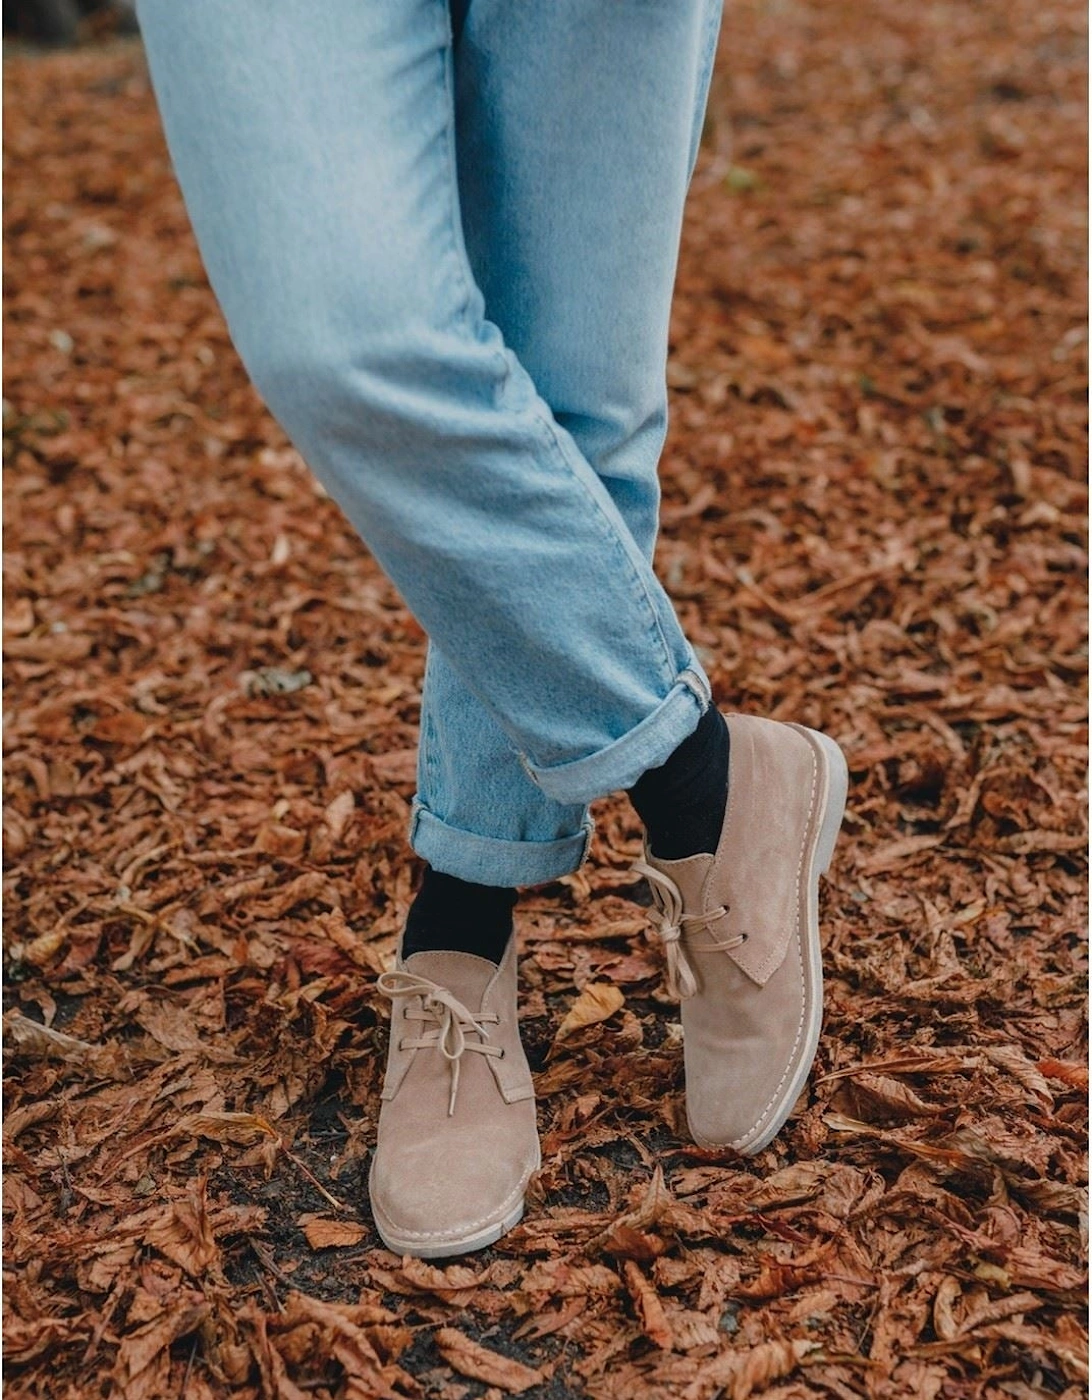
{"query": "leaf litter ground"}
(873, 523)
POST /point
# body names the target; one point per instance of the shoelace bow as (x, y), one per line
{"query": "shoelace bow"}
(673, 922)
(450, 1019)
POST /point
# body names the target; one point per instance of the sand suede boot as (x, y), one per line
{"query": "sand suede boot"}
(741, 933)
(458, 1138)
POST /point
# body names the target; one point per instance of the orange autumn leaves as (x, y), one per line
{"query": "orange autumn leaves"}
(874, 517)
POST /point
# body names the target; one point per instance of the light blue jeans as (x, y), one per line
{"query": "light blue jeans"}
(444, 238)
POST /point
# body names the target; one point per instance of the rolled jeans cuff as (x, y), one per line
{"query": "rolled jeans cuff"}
(487, 860)
(648, 745)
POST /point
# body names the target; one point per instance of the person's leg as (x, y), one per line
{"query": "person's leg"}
(571, 211)
(315, 147)
(577, 128)
(477, 814)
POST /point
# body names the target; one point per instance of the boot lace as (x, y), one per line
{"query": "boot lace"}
(672, 922)
(447, 1020)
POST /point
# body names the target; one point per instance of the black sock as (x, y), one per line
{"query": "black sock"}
(450, 915)
(682, 803)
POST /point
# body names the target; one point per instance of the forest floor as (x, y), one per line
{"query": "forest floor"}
(873, 523)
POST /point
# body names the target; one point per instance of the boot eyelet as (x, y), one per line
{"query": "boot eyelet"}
(502, 1053)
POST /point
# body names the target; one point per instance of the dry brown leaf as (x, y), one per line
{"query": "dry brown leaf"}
(324, 1233)
(992, 1310)
(455, 1284)
(740, 1374)
(693, 1331)
(597, 1002)
(32, 1039)
(872, 1096)
(545, 1324)
(557, 1277)
(338, 812)
(184, 1233)
(1065, 1072)
(945, 1321)
(799, 1181)
(270, 1362)
(480, 1364)
(1013, 1060)
(18, 1120)
(225, 1127)
(141, 1349)
(625, 1234)
(875, 516)
(894, 855)
(26, 1340)
(367, 1373)
(40, 951)
(650, 1308)
(398, 768)
(777, 1277)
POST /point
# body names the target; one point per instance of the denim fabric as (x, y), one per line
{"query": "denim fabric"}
(447, 266)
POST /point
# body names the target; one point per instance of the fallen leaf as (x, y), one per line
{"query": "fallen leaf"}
(32, 1039)
(225, 1127)
(597, 1002)
(396, 768)
(183, 1233)
(1065, 1072)
(274, 680)
(324, 1233)
(141, 1348)
(481, 1364)
(650, 1309)
(740, 1374)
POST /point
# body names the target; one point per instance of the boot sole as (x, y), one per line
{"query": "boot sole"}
(467, 1244)
(835, 785)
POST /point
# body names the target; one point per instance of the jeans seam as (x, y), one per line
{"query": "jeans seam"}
(697, 682)
(459, 254)
(428, 745)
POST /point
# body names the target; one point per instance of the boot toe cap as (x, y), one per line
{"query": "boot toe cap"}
(425, 1202)
(738, 1095)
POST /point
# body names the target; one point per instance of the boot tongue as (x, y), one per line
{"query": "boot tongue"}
(465, 975)
(689, 874)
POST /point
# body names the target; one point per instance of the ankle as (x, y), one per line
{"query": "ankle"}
(682, 803)
(450, 915)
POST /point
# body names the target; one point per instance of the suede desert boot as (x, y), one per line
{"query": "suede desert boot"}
(741, 933)
(458, 1139)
